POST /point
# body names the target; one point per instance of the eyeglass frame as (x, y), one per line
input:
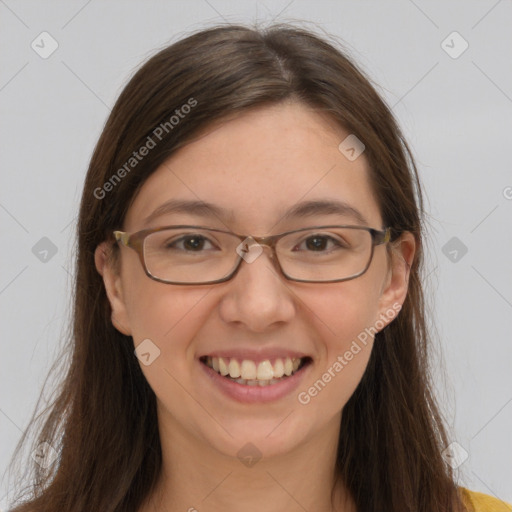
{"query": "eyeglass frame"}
(135, 241)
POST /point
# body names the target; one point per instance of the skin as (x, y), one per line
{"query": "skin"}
(258, 164)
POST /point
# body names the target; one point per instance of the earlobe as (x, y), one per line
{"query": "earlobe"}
(113, 287)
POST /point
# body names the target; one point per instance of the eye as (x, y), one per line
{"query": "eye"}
(194, 243)
(319, 243)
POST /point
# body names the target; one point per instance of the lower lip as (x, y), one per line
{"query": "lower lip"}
(256, 394)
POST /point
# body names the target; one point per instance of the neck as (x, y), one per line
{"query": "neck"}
(197, 477)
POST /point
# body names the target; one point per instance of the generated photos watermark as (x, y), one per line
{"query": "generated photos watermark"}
(304, 397)
(152, 140)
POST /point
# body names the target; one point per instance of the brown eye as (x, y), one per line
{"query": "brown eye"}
(191, 243)
(319, 243)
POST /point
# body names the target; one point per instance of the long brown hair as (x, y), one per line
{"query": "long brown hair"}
(103, 423)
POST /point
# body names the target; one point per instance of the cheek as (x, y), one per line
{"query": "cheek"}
(164, 313)
(342, 310)
(343, 321)
(169, 317)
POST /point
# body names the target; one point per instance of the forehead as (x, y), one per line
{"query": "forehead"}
(257, 166)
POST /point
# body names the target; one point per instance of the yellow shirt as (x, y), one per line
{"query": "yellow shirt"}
(478, 502)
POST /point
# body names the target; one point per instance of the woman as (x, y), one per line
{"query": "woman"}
(249, 324)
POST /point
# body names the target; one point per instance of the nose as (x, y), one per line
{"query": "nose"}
(258, 296)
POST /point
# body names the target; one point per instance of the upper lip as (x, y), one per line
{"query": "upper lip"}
(256, 355)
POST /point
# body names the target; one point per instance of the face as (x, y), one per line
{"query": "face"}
(256, 167)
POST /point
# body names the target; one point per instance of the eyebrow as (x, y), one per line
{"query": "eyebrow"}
(301, 210)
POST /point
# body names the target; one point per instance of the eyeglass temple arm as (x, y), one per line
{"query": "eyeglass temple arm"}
(122, 236)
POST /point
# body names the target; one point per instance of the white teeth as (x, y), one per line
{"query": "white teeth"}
(278, 368)
(247, 369)
(265, 371)
(223, 367)
(288, 366)
(249, 373)
(234, 369)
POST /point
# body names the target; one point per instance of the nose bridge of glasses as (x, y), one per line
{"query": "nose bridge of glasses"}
(265, 241)
(268, 242)
(252, 247)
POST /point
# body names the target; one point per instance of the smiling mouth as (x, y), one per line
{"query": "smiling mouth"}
(248, 372)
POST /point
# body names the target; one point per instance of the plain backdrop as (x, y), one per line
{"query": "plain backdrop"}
(443, 66)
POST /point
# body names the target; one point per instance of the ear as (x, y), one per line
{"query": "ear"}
(106, 266)
(394, 289)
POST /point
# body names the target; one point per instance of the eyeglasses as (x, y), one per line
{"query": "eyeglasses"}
(198, 255)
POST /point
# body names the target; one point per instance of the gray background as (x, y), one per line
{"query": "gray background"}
(456, 113)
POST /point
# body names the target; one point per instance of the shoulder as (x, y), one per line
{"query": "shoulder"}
(478, 502)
